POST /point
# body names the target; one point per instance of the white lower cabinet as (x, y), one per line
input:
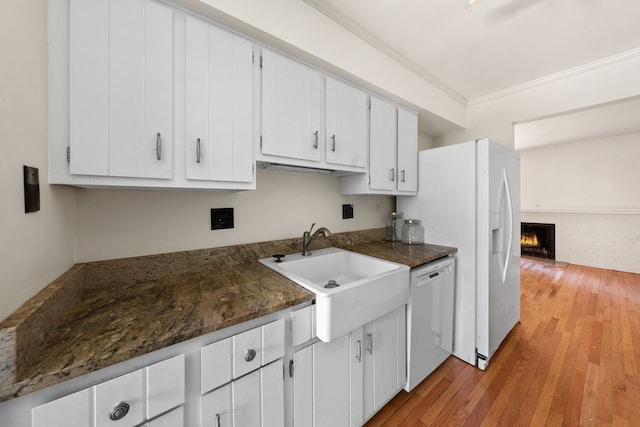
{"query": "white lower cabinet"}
(246, 374)
(120, 401)
(331, 383)
(345, 381)
(384, 360)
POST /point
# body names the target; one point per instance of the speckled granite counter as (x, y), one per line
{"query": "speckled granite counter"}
(82, 322)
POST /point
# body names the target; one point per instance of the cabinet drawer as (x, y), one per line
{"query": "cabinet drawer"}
(247, 352)
(216, 365)
(132, 398)
(73, 410)
(122, 395)
(165, 386)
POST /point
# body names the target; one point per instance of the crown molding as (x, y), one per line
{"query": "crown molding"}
(353, 27)
(571, 72)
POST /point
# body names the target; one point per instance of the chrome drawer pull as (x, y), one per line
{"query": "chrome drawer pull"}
(249, 355)
(119, 411)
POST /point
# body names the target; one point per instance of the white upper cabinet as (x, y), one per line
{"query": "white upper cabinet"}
(407, 151)
(382, 145)
(121, 88)
(346, 124)
(219, 104)
(393, 153)
(291, 108)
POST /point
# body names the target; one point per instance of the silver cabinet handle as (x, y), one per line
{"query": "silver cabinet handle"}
(315, 140)
(249, 355)
(159, 146)
(403, 175)
(333, 143)
(370, 348)
(198, 151)
(359, 352)
(291, 368)
(392, 174)
(218, 420)
(119, 411)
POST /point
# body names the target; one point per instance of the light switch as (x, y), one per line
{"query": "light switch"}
(31, 189)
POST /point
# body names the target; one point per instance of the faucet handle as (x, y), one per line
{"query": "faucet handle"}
(311, 229)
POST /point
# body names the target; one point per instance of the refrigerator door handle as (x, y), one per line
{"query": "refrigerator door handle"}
(507, 259)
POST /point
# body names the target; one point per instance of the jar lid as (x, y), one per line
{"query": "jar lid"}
(396, 214)
(412, 221)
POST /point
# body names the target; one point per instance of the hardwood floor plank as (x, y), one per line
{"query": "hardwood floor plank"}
(573, 360)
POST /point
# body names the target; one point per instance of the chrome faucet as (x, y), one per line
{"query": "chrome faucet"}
(307, 238)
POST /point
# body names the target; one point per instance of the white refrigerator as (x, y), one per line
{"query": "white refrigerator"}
(469, 198)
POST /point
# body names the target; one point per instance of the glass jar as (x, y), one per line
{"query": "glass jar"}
(412, 232)
(394, 227)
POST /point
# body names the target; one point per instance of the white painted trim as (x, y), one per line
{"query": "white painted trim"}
(571, 72)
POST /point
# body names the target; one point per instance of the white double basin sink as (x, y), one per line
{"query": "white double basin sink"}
(367, 287)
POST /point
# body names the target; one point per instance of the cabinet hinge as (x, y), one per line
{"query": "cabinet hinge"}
(260, 141)
(369, 104)
(68, 154)
(253, 169)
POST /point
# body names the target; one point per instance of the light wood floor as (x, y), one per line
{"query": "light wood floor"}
(573, 360)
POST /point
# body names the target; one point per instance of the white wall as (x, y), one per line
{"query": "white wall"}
(35, 248)
(579, 202)
(602, 240)
(122, 223)
(596, 175)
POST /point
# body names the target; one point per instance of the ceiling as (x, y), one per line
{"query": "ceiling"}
(495, 45)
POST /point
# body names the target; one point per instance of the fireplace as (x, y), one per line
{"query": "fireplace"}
(538, 240)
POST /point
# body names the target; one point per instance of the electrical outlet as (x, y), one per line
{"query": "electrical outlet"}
(221, 218)
(347, 211)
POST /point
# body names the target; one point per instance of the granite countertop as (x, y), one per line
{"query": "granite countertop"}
(98, 314)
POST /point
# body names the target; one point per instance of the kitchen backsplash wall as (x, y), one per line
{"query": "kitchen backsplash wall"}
(37, 247)
(124, 223)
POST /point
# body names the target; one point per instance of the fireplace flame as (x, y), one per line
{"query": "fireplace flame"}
(529, 239)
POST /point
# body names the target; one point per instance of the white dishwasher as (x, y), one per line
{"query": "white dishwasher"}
(429, 319)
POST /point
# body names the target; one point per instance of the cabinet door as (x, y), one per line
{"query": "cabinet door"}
(356, 376)
(303, 387)
(346, 124)
(407, 151)
(382, 364)
(219, 104)
(126, 389)
(216, 408)
(73, 410)
(121, 88)
(174, 418)
(382, 145)
(246, 400)
(331, 390)
(272, 394)
(291, 108)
